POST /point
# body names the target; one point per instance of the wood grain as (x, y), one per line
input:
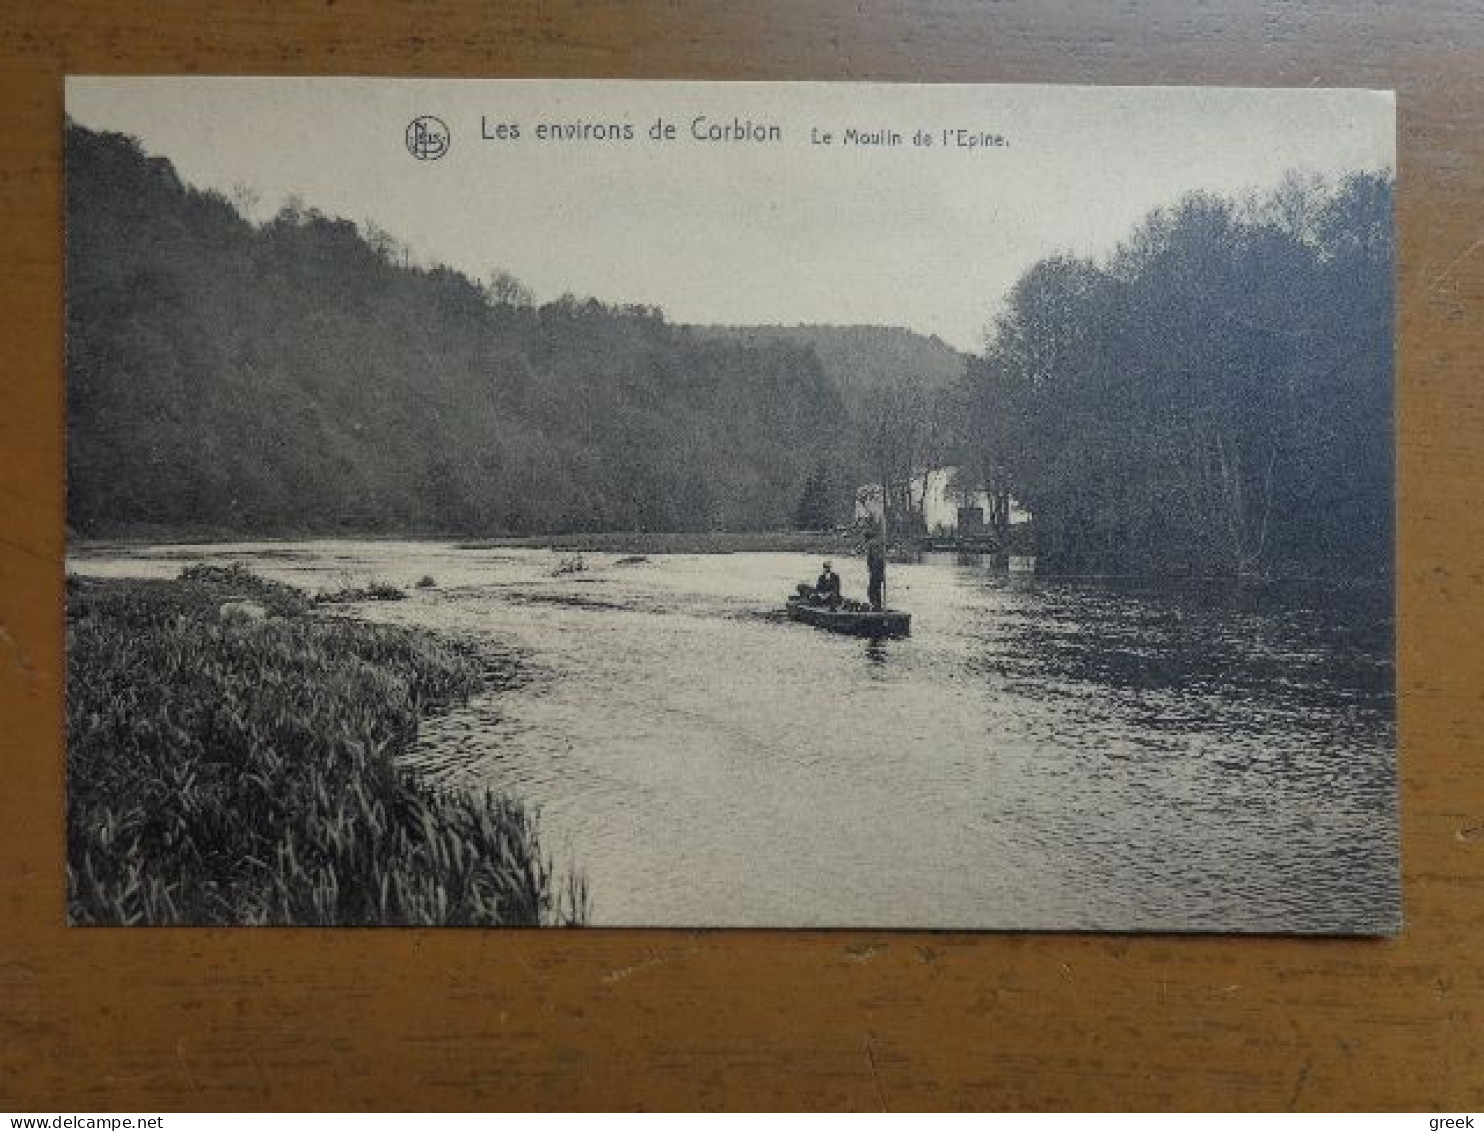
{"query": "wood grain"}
(163, 1019)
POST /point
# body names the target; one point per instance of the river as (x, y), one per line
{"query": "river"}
(1041, 754)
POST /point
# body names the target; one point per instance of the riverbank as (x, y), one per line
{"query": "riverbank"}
(607, 542)
(232, 758)
(699, 542)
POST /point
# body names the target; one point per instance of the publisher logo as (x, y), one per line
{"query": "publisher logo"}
(428, 138)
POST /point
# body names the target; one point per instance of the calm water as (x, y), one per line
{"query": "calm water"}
(1047, 754)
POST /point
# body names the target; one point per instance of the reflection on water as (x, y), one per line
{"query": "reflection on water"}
(1038, 754)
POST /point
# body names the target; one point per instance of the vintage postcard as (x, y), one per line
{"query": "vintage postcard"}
(730, 504)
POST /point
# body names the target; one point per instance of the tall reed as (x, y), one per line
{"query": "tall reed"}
(226, 770)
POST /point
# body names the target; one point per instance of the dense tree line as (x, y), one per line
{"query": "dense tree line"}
(1214, 398)
(304, 375)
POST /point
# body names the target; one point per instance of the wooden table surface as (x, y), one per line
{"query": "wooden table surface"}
(190, 1019)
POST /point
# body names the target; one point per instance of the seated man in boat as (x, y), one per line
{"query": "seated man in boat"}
(827, 588)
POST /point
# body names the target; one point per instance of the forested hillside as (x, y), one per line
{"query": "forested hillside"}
(861, 360)
(300, 376)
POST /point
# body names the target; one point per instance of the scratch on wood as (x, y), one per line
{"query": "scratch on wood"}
(29, 551)
(1436, 282)
(1298, 1085)
(618, 974)
(875, 1072)
(180, 1058)
(1066, 973)
(257, 1066)
(928, 955)
(17, 654)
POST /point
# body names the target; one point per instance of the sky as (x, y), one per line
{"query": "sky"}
(791, 230)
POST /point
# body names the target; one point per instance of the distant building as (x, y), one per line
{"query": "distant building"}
(940, 510)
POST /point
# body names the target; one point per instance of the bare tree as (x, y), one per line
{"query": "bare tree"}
(904, 435)
(504, 289)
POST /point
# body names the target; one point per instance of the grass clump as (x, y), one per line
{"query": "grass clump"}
(376, 591)
(222, 772)
(204, 582)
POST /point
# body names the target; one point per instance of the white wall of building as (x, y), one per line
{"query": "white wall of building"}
(939, 505)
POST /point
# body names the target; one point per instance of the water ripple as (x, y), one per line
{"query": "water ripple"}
(1045, 755)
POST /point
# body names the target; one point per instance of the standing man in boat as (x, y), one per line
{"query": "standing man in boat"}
(876, 567)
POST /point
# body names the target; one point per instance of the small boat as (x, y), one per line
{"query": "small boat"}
(858, 621)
